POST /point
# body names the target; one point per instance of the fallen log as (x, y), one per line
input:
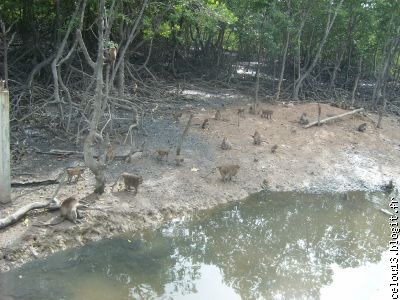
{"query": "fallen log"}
(59, 152)
(333, 118)
(20, 213)
(34, 183)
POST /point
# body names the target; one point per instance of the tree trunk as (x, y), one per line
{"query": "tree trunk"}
(353, 92)
(382, 110)
(97, 166)
(278, 92)
(387, 60)
(261, 32)
(299, 82)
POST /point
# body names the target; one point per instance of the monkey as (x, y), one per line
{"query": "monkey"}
(273, 149)
(257, 138)
(177, 115)
(110, 153)
(111, 56)
(71, 172)
(388, 187)
(303, 119)
(178, 161)
(132, 180)
(225, 145)
(205, 124)
(68, 211)
(362, 127)
(161, 154)
(228, 171)
(241, 112)
(266, 113)
(253, 109)
(218, 115)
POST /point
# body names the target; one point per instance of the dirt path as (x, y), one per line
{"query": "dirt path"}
(334, 157)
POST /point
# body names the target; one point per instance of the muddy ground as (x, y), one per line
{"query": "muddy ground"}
(331, 158)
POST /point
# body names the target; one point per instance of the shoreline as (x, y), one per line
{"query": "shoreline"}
(331, 158)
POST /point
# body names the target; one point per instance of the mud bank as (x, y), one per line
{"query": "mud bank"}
(331, 158)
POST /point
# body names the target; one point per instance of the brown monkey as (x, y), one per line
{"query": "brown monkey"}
(177, 115)
(205, 124)
(68, 211)
(225, 145)
(266, 113)
(161, 154)
(362, 127)
(257, 138)
(241, 112)
(71, 172)
(228, 171)
(110, 153)
(304, 119)
(111, 56)
(253, 109)
(273, 149)
(132, 180)
(218, 115)
(178, 161)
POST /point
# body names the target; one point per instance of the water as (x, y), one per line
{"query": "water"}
(271, 246)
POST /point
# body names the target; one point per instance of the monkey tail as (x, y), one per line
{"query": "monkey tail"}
(49, 224)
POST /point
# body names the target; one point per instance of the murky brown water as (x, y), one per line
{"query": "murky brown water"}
(271, 246)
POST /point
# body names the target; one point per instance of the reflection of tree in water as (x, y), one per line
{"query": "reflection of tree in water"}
(275, 244)
(285, 246)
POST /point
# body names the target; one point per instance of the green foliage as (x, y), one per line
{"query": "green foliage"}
(362, 27)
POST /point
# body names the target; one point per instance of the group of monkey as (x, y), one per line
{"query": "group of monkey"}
(68, 207)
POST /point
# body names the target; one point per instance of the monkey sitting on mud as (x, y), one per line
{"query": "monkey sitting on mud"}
(131, 180)
(226, 145)
(253, 109)
(71, 172)
(256, 138)
(303, 119)
(266, 113)
(205, 124)
(228, 171)
(362, 127)
(273, 149)
(177, 115)
(241, 112)
(218, 115)
(162, 154)
(68, 211)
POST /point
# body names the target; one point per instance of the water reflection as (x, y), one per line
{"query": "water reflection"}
(271, 246)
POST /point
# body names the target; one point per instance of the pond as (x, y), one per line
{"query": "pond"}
(270, 246)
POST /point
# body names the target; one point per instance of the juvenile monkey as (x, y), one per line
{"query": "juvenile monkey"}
(205, 124)
(273, 149)
(304, 119)
(131, 180)
(218, 115)
(228, 171)
(226, 145)
(266, 113)
(71, 172)
(257, 138)
(162, 154)
(362, 127)
(68, 211)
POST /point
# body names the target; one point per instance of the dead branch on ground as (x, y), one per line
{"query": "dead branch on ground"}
(333, 118)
